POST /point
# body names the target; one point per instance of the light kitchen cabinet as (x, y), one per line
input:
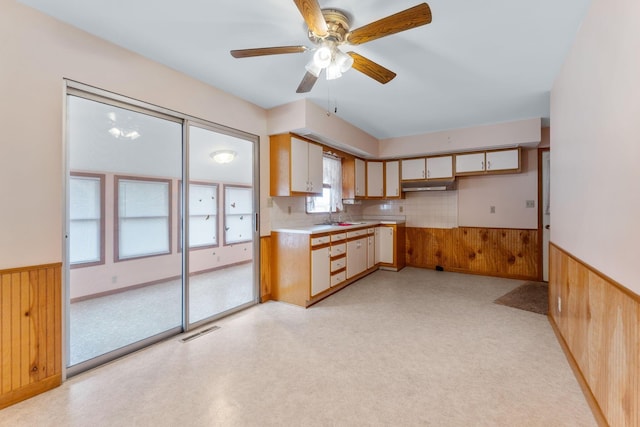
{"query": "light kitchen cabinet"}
(390, 246)
(488, 162)
(392, 179)
(502, 160)
(356, 252)
(296, 166)
(338, 258)
(471, 162)
(413, 169)
(308, 267)
(354, 179)
(385, 244)
(320, 269)
(371, 248)
(440, 167)
(375, 179)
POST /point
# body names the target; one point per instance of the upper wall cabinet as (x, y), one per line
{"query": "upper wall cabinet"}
(353, 178)
(413, 169)
(437, 167)
(392, 179)
(375, 179)
(440, 167)
(296, 166)
(488, 162)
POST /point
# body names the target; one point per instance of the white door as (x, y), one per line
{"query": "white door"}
(315, 168)
(320, 270)
(546, 213)
(439, 167)
(473, 162)
(375, 181)
(413, 169)
(503, 159)
(299, 165)
(386, 245)
(392, 177)
(360, 178)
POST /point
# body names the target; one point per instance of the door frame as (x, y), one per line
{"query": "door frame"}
(540, 212)
(74, 88)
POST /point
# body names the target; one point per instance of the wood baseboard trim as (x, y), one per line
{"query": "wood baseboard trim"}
(577, 372)
(30, 390)
(477, 273)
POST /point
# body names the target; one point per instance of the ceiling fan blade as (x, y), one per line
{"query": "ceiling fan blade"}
(307, 83)
(261, 51)
(371, 69)
(401, 21)
(312, 14)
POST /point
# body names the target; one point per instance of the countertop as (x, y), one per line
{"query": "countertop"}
(325, 228)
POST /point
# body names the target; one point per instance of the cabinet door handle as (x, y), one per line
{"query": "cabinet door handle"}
(482, 165)
(488, 165)
(423, 174)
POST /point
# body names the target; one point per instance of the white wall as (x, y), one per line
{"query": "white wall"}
(508, 193)
(36, 53)
(595, 139)
(511, 134)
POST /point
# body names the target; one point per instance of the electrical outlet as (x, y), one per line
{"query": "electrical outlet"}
(559, 305)
(114, 279)
(531, 203)
(270, 202)
(401, 209)
(492, 209)
(289, 210)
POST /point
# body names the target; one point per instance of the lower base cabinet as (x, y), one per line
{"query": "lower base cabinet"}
(307, 268)
(390, 244)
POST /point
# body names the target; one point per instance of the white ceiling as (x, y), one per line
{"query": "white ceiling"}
(478, 62)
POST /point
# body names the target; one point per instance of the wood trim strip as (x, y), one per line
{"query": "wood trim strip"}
(30, 390)
(603, 276)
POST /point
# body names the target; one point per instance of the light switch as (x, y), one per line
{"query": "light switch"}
(492, 209)
(531, 203)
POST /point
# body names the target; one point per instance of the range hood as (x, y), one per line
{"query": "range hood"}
(430, 185)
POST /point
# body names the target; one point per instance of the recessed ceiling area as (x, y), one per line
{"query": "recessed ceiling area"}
(476, 63)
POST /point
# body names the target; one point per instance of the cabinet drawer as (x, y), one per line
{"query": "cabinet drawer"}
(338, 236)
(338, 249)
(338, 278)
(339, 263)
(371, 230)
(356, 233)
(320, 240)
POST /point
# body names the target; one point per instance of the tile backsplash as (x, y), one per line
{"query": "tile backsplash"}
(435, 209)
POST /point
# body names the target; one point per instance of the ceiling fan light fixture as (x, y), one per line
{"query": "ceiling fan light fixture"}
(322, 57)
(333, 71)
(343, 61)
(223, 156)
(313, 68)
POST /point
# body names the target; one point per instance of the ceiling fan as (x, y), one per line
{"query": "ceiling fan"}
(329, 29)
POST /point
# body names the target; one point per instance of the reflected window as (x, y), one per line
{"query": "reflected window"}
(143, 227)
(86, 219)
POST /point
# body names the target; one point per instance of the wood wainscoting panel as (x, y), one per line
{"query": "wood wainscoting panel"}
(502, 252)
(598, 321)
(265, 268)
(31, 332)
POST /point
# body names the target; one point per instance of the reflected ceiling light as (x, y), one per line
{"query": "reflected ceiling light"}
(124, 134)
(223, 156)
